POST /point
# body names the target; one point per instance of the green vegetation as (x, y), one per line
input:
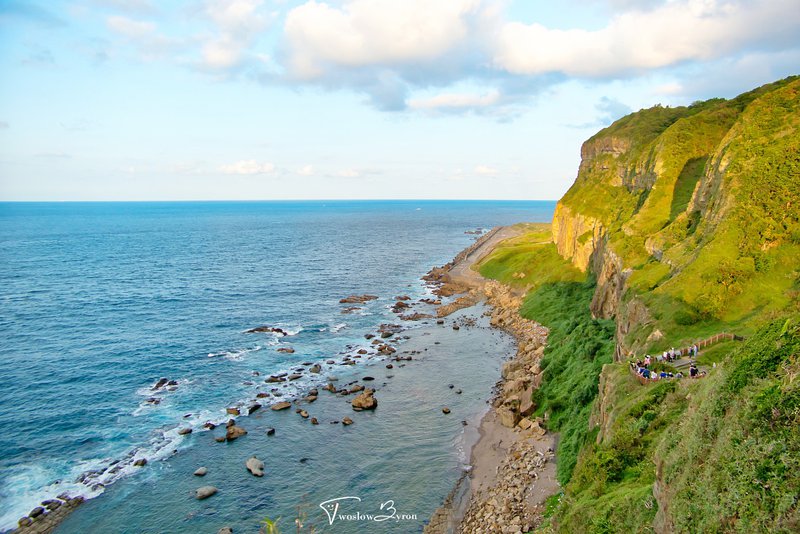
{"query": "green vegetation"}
(725, 450)
(529, 260)
(577, 348)
(700, 206)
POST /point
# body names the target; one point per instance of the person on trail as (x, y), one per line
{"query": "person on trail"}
(693, 371)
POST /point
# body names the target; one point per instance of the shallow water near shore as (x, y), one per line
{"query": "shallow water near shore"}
(101, 300)
(406, 451)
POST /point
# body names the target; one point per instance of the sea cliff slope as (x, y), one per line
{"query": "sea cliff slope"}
(685, 223)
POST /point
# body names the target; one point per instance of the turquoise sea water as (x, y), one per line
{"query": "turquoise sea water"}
(100, 300)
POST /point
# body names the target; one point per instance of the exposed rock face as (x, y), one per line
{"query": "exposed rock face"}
(576, 236)
(201, 471)
(280, 405)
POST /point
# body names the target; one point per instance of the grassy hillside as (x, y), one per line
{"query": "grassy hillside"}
(700, 207)
(529, 260)
(724, 451)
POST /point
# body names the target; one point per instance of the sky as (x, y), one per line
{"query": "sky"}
(352, 99)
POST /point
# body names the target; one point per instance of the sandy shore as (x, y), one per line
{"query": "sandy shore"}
(513, 465)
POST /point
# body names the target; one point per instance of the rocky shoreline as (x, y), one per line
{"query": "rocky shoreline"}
(520, 457)
(513, 464)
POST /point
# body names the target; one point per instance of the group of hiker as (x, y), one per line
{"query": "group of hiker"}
(644, 367)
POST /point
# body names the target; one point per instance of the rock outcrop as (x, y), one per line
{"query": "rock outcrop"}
(255, 466)
(365, 401)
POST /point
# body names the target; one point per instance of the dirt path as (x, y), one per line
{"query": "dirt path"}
(462, 272)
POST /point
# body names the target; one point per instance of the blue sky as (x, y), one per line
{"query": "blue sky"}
(282, 99)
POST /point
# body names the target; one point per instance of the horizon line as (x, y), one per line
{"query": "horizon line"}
(76, 201)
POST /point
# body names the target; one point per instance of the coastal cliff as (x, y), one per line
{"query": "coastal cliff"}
(682, 214)
(682, 224)
(688, 221)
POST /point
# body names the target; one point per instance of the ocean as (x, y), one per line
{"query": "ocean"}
(101, 300)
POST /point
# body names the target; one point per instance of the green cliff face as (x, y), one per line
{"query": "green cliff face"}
(685, 223)
(689, 218)
(693, 212)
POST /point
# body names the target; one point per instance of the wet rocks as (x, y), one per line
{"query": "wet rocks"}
(267, 329)
(225, 530)
(160, 384)
(204, 492)
(314, 421)
(141, 462)
(416, 316)
(280, 405)
(316, 369)
(347, 421)
(365, 401)
(255, 466)
(295, 376)
(232, 411)
(286, 350)
(445, 410)
(184, 431)
(233, 432)
(399, 306)
(357, 299)
(201, 472)
(270, 431)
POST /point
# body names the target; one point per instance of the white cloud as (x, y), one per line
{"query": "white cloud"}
(143, 35)
(237, 25)
(484, 170)
(247, 167)
(364, 33)
(130, 27)
(638, 40)
(348, 173)
(455, 101)
(133, 6)
(306, 170)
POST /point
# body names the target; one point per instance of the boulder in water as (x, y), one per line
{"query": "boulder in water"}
(205, 492)
(234, 432)
(255, 466)
(365, 401)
